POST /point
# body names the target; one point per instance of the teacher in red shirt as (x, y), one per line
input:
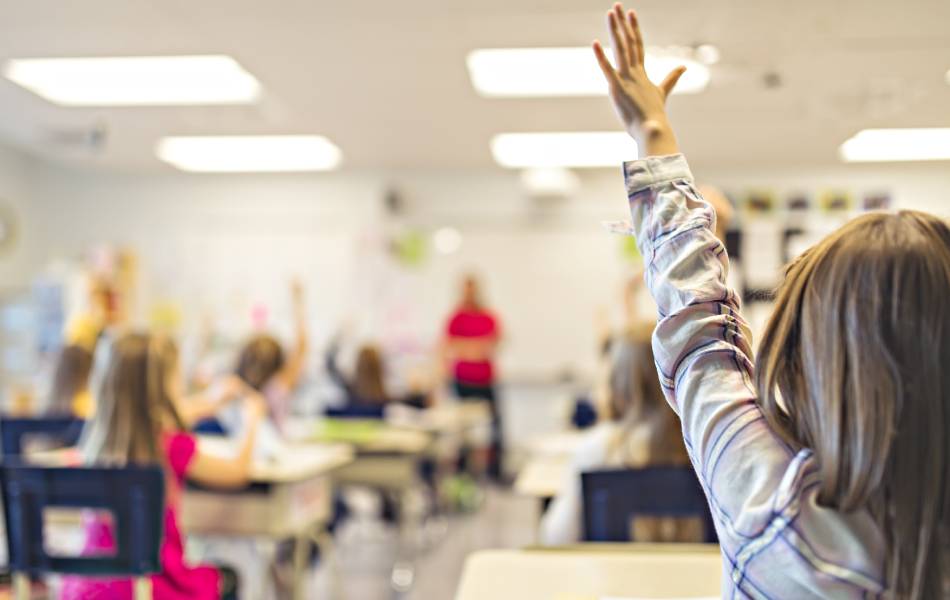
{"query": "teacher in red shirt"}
(471, 341)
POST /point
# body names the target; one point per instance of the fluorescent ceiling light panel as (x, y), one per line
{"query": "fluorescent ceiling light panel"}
(573, 149)
(537, 72)
(256, 153)
(135, 81)
(893, 145)
(551, 181)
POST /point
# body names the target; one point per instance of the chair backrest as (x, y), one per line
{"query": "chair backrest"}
(63, 430)
(135, 497)
(355, 411)
(614, 498)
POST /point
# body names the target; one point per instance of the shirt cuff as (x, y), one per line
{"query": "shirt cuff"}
(647, 172)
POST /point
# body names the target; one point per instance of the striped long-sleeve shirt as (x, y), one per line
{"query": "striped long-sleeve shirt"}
(777, 540)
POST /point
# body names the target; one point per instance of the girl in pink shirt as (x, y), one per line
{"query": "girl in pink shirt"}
(137, 422)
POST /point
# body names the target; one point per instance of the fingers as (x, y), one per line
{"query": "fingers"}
(669, 82)
(633, 27)
(618, 42)
(629, 37)
(605, 65)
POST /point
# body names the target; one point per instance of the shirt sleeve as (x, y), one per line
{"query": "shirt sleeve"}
(181, 449)
(774, 533)
(702, 347)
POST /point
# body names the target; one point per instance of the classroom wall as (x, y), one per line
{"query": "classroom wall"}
(17, 175)
(220, 245)
(225, 244)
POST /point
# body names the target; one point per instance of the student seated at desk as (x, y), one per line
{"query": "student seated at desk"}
(136, 422)
(367, 387)
(641, 431)
(825, 456)
(69, 394)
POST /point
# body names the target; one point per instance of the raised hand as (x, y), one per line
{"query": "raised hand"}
(639, 103)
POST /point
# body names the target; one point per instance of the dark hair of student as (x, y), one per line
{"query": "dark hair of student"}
(261, 358)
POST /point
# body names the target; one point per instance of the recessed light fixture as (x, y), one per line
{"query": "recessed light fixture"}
(947, 76)
(135, 80)
(550, 181)
(538, 72)
(254, 153)
(895, 145)
(571, 149)
(707, 54)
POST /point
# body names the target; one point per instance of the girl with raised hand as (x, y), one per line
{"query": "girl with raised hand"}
(826, 461)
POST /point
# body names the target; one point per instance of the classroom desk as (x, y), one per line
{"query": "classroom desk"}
(288, 498)
(586, 572)
(542, 477)
(445, 418)
(285, 495)
(386, 456)
(555, 445)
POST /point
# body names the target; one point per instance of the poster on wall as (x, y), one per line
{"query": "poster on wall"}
(798, 203)
(876, 201)
(836, 202)
(760, 203)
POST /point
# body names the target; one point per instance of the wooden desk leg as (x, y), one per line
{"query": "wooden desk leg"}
(403, 573)
(21, 586)
(301, 547)
(328, 559)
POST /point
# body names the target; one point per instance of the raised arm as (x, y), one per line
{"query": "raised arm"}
(293, 368)
(206, 403)
(231, 472)
(701, 343)
(333, 368)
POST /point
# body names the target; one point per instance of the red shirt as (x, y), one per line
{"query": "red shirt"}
(473, 324)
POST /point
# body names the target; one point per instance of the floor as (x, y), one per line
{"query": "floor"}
(366, 552)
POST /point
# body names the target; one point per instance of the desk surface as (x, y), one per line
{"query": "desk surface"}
(542, 477)
(560, 444)
(295, 463)
(449, 417)
(366, 436)
(579, 573)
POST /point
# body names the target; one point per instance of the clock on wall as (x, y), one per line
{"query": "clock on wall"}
(8, 228)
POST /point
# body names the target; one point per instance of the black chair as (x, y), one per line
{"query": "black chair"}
(64, 431)
(614, 498)
(134, 496)
(355, 411)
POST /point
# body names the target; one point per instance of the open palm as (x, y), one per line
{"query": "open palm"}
(639, 103)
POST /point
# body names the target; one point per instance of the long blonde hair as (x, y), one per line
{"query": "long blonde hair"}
(855, 365)
(368, 376)
(636, 399)
(70, 378)
(261, 358)
(131, 379)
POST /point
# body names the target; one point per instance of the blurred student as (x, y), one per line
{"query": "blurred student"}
(136, 423)
(640, 430)
(827, 461)
(69, 394)
(266, 367)
(366, 388)
(471, 340)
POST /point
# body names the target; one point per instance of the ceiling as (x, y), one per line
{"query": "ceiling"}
(387, 80)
